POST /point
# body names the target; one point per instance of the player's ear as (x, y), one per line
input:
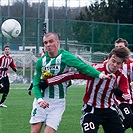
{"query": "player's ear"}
(58, 41)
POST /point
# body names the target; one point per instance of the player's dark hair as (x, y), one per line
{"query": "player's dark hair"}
(6, 46)
(120, 40)
(122, 52)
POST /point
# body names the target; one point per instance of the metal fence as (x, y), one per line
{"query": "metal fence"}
(74, 35)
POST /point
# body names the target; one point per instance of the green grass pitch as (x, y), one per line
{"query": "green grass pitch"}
(15, 118)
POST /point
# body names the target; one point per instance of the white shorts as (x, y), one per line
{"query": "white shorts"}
(50, 116)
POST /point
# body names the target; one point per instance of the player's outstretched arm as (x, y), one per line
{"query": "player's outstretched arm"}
(67, 76)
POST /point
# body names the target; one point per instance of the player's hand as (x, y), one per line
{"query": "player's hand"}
(109, 76)
(126, 96)
(46, 75)
(5, 69)
(43, 84)
(29, 92)
(44, 104)
(131, 84)
(118, 92)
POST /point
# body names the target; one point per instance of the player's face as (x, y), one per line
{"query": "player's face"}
(51, 44)
(119, 45)
(7, 51)
(114, 63)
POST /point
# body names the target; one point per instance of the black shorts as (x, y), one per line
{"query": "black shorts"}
(127, 115)
(6, 85)
(92, 118)
(131, 106)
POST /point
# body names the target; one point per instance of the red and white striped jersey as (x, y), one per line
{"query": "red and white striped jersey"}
(99, 92)
(127, 68)
(6, 61)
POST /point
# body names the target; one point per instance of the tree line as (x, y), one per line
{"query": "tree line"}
(103, 11)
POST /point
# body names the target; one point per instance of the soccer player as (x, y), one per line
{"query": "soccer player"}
(99, 101)
(128, 105)
(49, 104)
(127, 68)
(6, 61)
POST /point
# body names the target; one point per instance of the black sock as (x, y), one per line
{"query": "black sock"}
(31, 86)
(3, 98)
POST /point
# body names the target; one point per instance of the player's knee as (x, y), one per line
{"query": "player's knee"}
(35, 131)
(36, 128)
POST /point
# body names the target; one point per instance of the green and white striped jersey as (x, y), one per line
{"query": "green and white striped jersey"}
(57, 65)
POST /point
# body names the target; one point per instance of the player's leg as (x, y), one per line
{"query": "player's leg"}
(113, 123)
(88, 120)
(36, 128)
(132, 122)
(54, 114)
(131, 106)
(48, 129)
(30, 88)
(126, 114)
(38, 116)
(1, 87)
(6, 85)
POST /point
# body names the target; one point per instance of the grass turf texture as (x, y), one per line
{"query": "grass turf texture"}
(15, 118)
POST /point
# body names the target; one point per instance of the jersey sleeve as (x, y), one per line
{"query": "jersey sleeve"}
(124, 84)
(12, 64)
(36, 79)
(72, 61)
(124, 87)
(65, 77)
